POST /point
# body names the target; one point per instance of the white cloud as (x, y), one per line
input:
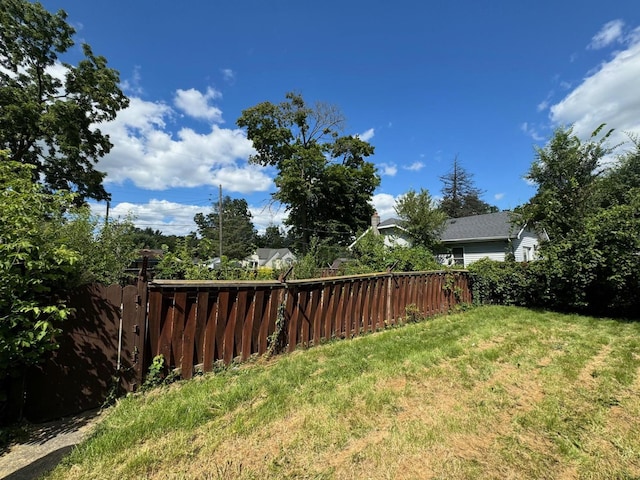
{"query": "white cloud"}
(531, 131)
(147, 153)
(133, 85)
(543, 105)
(498, 196)
(228, 75)
(384, 205)
(169, 217)
(415, 166)
(388, 169)
(607, 95)
(173, 218)
(196, 104)
(366, 136)
(611, 32)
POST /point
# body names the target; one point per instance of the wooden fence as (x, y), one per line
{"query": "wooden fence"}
(195, 323)
(100, 354)
(116, 331)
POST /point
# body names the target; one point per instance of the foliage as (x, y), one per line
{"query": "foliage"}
(370, 254)
(565, 174)
(238, 232)
(174, 262)
(105, 250)
(48, 119)
(34, 265)
(421, 218)
(152, 239)
(591, 212)
(180, 264)
(460, 198)
(323, 179)
(308, 265)
(500, 283)
(155, 374)
(273, 237)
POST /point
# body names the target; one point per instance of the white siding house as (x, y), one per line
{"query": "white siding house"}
(468, 239)
(270, 258)
(391, 231)
(493, 235)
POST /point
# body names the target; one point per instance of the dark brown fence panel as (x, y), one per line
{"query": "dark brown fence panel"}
(209, 310)
(111, 336)
(199, 323)
(328, 301)
(131, 336)
(82, 372)
(187, 360)
(204, 322)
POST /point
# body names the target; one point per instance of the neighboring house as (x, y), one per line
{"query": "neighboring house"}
(270, 258)
(394, 235)
(493, 235)
(468, 239)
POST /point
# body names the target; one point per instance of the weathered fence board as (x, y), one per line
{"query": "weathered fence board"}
(117, 331)
(100, 352)
(200, 323)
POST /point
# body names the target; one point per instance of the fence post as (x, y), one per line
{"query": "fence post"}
(140, 331)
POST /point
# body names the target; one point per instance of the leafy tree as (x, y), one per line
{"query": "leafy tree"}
(565, 171)
(273, 237)
(238, 232)
(370, 254)
(323, 179)
(460, 197)
(153, 239)
(591, 213)
(34, 265)
(105, 250)
(622, 178)
(49, 120)
(421, 218)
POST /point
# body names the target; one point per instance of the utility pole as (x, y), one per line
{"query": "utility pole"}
(220, 220)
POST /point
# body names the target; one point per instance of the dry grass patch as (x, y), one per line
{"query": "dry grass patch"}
(492, 393)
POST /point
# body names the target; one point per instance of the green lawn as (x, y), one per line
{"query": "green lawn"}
(494, 392)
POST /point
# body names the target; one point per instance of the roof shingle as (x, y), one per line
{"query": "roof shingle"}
(496, 225)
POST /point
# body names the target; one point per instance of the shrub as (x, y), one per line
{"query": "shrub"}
(503, 283)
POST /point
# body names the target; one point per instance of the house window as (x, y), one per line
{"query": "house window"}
(458, 256)
(526, 254)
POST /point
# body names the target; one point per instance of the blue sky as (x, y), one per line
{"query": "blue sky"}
(422, 81)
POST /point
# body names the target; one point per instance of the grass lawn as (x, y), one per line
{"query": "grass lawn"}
(495, 392)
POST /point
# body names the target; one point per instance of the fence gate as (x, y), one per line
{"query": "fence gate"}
(101, 353)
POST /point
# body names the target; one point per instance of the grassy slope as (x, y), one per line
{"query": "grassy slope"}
(491, 393)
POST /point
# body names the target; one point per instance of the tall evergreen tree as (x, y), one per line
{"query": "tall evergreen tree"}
(238, 232)
(460, 197)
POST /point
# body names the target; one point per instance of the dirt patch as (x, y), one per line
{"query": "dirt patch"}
(590, 370)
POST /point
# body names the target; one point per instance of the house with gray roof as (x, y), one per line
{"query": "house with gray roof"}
(492, 235)
(468, 239)
(270, 258)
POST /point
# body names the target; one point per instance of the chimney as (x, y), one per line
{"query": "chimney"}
(375, 221)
